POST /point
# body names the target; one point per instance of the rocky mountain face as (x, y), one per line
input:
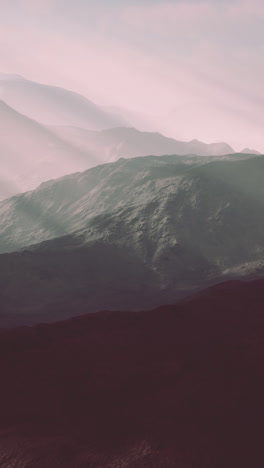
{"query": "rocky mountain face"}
(162, 388)
(135, 233)
(65, 205)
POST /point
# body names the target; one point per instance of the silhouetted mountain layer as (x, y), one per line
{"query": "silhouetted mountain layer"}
(250, 151)
(179, 386)
(66, 279)
(31, 153)
(112, 144)
(135, 233)
(53, 105)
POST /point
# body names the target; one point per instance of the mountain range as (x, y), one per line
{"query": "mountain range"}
(115, 143)
(31, 153)
(47, 132)
(53, 105)
(39, 153)
(113, 352)
(145, 231)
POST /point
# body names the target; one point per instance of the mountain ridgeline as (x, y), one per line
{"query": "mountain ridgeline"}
(131, 234)
(134, 226)
(130, 219)
(39, 153)
(124, 142)
(48, 132)
(31, 153)
(53, 105)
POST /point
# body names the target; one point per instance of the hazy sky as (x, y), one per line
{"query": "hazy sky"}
(194, 68)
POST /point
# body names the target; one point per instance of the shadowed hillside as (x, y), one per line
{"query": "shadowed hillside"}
(177, 386)
(132, 234)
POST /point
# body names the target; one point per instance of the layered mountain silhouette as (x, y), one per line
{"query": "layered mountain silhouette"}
(103, 228)
(53, 105)
(114, 226)
(33, 150)
(31, 153)
(135, 233)
(250, 151)
(178, 386)
(115, 143)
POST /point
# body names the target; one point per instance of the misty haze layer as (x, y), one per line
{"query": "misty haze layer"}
(47, 132)
(186, 68)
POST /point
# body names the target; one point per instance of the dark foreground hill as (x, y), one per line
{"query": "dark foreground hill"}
(180, 386)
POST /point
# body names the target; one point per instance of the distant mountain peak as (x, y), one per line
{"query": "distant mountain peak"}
(250, 151)
(11, 77)
(54, 105)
